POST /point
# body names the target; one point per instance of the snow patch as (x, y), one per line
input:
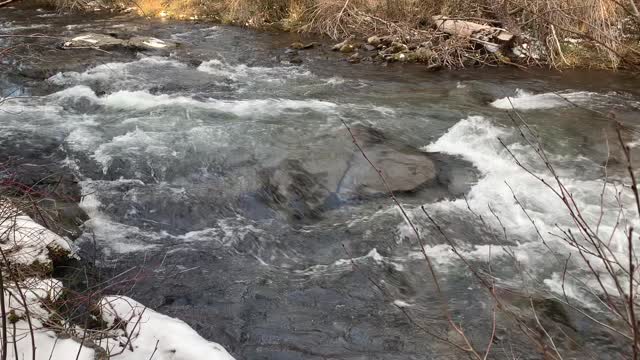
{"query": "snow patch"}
(25, 241)
(168, 338)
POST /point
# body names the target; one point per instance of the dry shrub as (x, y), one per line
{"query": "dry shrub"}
(552, 21)
(339, 18)
(149, 7)
(541, 23)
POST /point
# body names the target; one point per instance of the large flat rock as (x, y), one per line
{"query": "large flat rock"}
(308, 184)
(108, 42)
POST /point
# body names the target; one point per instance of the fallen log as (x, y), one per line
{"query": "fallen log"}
(493, 38)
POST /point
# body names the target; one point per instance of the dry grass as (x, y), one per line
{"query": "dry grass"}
(549, 23)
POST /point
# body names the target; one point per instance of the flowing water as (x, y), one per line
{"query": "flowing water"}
(171, 149)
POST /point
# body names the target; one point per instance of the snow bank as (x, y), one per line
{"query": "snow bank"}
(142, 332)
(151, 332)
(36, 293)
(26, 242)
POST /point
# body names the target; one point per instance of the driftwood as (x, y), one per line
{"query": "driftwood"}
(492, 38)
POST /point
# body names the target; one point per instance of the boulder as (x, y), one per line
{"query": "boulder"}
(355, 58)
(306, 186)
(368, 47)
(149, 43)
(347, 48)
(91, 40)
(374, 41)
(108, 42)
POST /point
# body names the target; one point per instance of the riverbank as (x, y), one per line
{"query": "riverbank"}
(600, 34)
(42, 319)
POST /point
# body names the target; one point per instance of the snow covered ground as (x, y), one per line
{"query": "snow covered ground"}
(134, 332)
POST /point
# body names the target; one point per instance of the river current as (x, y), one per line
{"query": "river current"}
(170, 151)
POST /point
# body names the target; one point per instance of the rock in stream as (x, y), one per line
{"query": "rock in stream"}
(318, 181)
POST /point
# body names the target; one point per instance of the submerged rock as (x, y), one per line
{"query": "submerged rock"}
(149, 43)
(91, 40)
(305, 187)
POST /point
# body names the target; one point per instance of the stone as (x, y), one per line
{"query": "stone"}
(374, 41)
(149, 43)
(91, 40)
(339, 46)
(306, 186)
(396, 47)
(301, 46)
(368, 47)
(108, 42)
(347, 48)
(434, 67)
(296, 60)
(297, 46)
(400, 57)
(388, 40)
(355, 58)
(412, 57)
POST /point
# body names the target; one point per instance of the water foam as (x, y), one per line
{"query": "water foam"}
(113, 71)
(118, 237)
(143, 100)
(132, 144)
(83, 139)
(254, 73)
(476, 140)
(346, 265)
(524, 100)
(9, 27)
